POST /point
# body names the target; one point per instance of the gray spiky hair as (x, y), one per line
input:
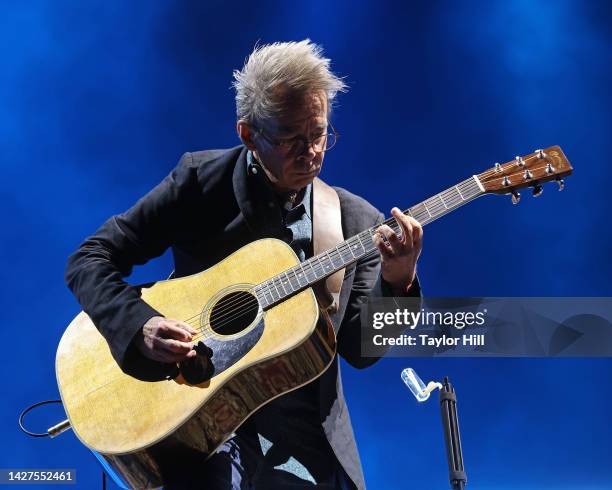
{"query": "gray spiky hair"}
(272, 70)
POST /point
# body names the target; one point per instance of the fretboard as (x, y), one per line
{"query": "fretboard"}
(307, 273)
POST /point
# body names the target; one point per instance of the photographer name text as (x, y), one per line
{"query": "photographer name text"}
(426, 340)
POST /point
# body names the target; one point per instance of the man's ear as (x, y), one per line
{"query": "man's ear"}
(245, 134)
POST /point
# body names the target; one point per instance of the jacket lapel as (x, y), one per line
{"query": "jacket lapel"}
(257, 202)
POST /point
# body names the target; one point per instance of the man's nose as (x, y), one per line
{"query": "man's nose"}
(308, 152)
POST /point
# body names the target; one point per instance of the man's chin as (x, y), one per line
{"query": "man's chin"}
(302, 180)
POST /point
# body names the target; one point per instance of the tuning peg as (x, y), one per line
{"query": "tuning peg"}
(540, 154)
(549, 168)
(516, 197)
(506, 181)
(498, 168)
(519, 161)
(537, 190)
(527, 175)
(561, 184)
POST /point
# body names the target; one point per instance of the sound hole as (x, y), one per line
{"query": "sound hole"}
(233, 313)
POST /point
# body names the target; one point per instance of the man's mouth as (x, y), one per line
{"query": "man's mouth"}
(309, 172)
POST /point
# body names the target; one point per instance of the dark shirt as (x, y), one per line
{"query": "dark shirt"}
(291, 424)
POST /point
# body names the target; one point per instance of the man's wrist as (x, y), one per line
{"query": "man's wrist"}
(400, 291)
(390, 289)
(411, 289)
(398, 288)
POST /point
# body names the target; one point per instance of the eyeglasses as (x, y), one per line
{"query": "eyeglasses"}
(298, 144)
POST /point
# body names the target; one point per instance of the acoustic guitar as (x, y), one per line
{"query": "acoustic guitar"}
(241, 308)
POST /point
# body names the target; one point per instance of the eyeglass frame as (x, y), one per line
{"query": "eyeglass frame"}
(307, 143)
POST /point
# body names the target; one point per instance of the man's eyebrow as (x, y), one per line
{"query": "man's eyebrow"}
(295, 129)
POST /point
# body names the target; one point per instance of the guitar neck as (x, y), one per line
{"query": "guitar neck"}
(311, 271)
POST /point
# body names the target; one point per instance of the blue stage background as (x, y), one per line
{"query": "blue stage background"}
(100, 99)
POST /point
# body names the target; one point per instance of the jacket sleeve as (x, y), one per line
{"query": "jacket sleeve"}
(367, 283)
(95, 271)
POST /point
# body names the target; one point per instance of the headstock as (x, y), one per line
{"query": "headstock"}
(528, 171)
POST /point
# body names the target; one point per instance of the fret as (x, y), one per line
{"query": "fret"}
(302, 274)
(279, 286)
(356, 246)
(279, 281)
(267, 291)
(314, 273)
(274, 282)
(294, 282)
(418, 214)
(460, 195)
(340, 254)
(465, 192)
(336, 254)
(271, 282)
(448, 199)
(338, 250)
(361, 242)
(330, 266)
(259, 294)
(321, 266)
(442, 200)
(346, 254)
(436, 207)
(286, 282)
(426, 215)
(350, 248)
(425, 206)
(473, 187)
(365, 249)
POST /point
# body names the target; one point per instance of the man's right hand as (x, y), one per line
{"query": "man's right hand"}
(166, 340)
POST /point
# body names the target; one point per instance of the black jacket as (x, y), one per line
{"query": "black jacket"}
(205, 210)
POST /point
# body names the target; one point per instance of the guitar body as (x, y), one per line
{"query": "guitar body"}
(140, 426)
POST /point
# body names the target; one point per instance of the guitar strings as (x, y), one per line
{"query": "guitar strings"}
(434, 206)
(226, 312)
(229, 311)
(317, 268)
(231, 308)
(227, 317)
(203, 336)
(234, 313)
(235, 308)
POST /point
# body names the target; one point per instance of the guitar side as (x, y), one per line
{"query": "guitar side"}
(137, 424)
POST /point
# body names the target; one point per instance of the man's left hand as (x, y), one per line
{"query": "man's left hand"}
(399, 255)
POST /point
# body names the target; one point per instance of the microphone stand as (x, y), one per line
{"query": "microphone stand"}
(450, 425)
